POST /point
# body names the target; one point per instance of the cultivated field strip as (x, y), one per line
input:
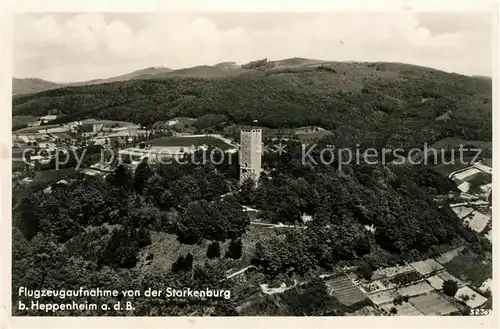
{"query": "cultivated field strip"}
(405, 309)
(432, 304)
(383, 297)
(345, 291)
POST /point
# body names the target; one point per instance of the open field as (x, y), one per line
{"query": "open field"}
(115, 122)
(453, 142)
(487, 162)
(34, 129)
(165, 249)
(437, 280)
(383, 297)
(449, 255)
(405, 309)
(344, 290)
(432, 304)
(378, 285)
(390, 271)
(477, 221)
(427, 266)
(462, 211)
(188, 141)
(22, 119)
(52, 176)
(479, 179)
(472, 300)
(365, 311)
(415, 289)
(447, 169)
(469, 267)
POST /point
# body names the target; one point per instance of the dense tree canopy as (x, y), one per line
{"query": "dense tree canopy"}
(104, 232)
(369, 103)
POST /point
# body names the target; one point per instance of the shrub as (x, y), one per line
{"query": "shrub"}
(235, 249)
(213, 250)
(450, 287)
(365, 271)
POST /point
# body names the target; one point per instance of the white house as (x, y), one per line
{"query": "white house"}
(47, 118)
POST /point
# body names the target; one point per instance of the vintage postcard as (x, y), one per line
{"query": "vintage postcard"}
(321, 164)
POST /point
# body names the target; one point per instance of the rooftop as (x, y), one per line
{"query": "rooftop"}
(55, 130)
(308, 129)
(313, 134)
(49, 117)
(89, 121)
(253, 130)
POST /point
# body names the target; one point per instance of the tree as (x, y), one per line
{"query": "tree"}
(21, 248)
(155, 189)
(289, 252)
(143, 237)
(120, 177)
(190, 226)
(247, 194)
(208, 274)
(235, 249)
(183, 263)
(178, 265)
(213, 250)
(142, 174)
(307, 300)
(398, 300)
(365, 270)
(450, 287)
(121, 249)
(188, 262)
(28, 221)
(464, 297)
(144, 214)
(217, 221)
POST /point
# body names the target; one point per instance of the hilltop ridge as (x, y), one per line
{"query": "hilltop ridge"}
(380, 103)
(34, 85)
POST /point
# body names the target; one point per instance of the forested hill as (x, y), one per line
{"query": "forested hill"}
(374, 103)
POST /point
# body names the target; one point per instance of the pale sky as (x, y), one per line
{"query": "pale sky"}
(77, 47)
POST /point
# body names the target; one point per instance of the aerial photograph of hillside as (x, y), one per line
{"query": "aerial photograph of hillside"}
(252, 164)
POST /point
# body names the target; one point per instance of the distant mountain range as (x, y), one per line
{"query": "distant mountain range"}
(34, 85)
(225, 69)
(381, 104)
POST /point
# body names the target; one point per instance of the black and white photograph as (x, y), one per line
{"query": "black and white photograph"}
(264, 164)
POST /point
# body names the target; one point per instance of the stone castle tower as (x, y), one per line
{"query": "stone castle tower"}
(250, 156)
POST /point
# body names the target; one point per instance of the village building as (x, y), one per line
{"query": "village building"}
(47, 118)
